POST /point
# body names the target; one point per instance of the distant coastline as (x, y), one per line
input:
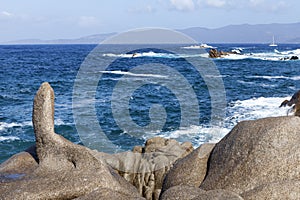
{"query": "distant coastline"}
(244, 33)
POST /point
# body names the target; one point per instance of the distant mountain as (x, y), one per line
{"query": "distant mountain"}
(244, 33)
(91, 39)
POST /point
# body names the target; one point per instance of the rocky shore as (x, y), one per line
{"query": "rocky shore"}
(258, 159)
(214, 53)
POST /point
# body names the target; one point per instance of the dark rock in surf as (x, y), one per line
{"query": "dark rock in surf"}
(294, 103)
(294, 58)
(214, 53)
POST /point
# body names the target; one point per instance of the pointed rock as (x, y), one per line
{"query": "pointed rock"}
(65, 170)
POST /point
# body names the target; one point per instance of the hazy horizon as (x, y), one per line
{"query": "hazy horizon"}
(67, 19)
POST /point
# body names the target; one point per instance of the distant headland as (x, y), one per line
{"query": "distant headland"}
(243, 33)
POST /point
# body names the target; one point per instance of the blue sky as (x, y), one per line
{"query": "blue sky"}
(75, 18)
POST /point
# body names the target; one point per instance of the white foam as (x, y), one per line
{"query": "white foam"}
(268, 77)
(240, 110)
(209, 133)
(291, 52)
(155, 55)
(256, 108)
(237, 50)
(276, 55)
(12, 138)
(59, 122)
(202, 46)
(133, 74)
(196, 134)
(143, 54)
(4, 125)
(295, 78)
(235, 56)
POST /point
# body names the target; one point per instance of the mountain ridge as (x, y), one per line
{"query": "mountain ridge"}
(242, 33)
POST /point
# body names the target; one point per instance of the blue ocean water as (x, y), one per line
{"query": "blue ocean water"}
(255, 81)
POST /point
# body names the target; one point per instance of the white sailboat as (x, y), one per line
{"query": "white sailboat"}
(273, 43)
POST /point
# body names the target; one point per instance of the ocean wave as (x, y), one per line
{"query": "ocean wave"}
(4, 125)
(256, 108)
(295, 78)
(9, 98)
(133, 74)
(276, 55)
(269, 77)
(201, 46)
(154, 55)
(143, 54)
(196, 134)
(59, 122)
(11, 138)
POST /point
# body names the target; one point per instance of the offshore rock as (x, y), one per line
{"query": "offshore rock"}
(214, 53)
(64, 170)
(294, 58)
(190, 170)
(259, 157)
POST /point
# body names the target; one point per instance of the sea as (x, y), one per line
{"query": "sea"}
(254, 82)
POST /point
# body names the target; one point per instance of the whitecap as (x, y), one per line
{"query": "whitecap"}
(154, 55)
(133, 74)
(11, 138)
(201, 46)
(256, 108)
(4, 125)
(268, 77)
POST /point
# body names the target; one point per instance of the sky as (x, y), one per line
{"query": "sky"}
(67, 19)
